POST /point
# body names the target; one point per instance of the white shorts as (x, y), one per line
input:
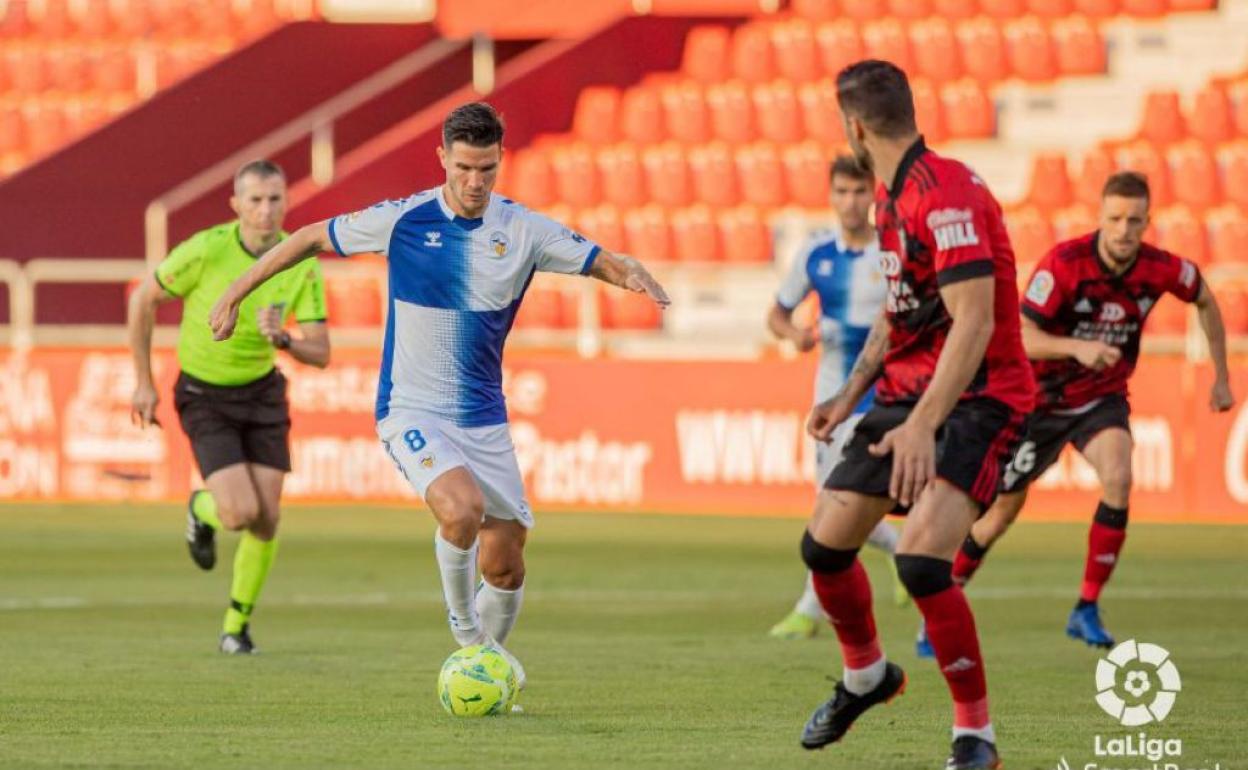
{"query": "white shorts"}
(424, 446)
(829, 455)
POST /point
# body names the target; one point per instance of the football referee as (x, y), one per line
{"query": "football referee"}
(230, 398)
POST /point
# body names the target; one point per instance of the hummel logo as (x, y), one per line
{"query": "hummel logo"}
(1083, 306)
(1105, 558)
(959, 665)
(433, 238)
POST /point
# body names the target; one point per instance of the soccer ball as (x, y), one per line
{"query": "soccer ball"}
(477, 681)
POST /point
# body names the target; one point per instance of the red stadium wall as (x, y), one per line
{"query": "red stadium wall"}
(694, 437)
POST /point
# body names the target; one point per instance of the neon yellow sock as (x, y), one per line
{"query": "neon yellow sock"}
(252, 561)
(204, 506)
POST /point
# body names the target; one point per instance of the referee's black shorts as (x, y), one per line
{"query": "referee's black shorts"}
(240, 424)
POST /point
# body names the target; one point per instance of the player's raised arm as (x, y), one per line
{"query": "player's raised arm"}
(1220, 398)
(627, 273)
(305, 242)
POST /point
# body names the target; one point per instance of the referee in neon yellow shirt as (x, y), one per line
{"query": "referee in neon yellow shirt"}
(230, 398)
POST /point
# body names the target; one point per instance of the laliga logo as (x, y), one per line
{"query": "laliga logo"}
(1137, 683)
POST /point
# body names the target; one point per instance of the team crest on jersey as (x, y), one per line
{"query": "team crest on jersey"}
(1041, 287)
(427, 460)
(1112, 312)
(499, 243)
(824, 268)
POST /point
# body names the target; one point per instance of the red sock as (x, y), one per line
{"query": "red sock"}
(951, 630)
(1104, 544)
(969, 557)
(846, 597)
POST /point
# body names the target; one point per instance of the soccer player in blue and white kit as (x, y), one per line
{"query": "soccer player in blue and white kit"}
(460, 259)
(841, 266)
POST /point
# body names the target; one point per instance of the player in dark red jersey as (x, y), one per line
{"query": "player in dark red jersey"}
(952, 389)
(1083, 314)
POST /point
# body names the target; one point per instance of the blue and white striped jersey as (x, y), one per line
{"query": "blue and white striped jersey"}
(851, 289)
(455, 286)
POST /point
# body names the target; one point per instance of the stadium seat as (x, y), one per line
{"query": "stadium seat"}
(623, 177)
(1148, 160)
(731, 112)
(14, 20)
(1233, 302)
(886, 39)
(1210, 118)
(1168, 316)
(353, 301)
(641, 115)
(604, 225)
(67, 68)
(761, 175)
(1031, 235)
(968, 112)
(647, 233)
(1162, 122)
(807, 174)
(1080, 48)
(816, 10)
(1233, 160)
(1096, 9)
(714, 171)
(744, 235)
(909, 9)
(821, 117)
(839, 45)
(12, 130)
(1184, 6)
(1237, 92)
(797, 55)
(1073, 222)
(1029, 49)
(1050, 183)
(622, 310)
(1228, 235)
(667, 174)
(1049, 9)
(576, 175)
(935, 47)
(50, 19)
(864, 10)
(113, 69)
(778, 112)
(983, 50)
(1179, 230)
(928, 112)
(542, 308)
(1003, 9)
(695, 237)
(84, 115)
(1145, 9)
(25, 68)
(1096, 167)
(1193, 174)
(684, 107)
(706, 54)
(751, 52)
(955, 10)
(597, 116)
(46, 129)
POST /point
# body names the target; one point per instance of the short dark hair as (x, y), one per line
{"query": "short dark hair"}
(476, 124)
(261, 168)
(848, 165)
(877, 93)
(1126, 184)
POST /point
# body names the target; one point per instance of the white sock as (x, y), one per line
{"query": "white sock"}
(984, 733)
(459, 568)
(884, 537)
(498, 609)
(809, 604)
(861, 681)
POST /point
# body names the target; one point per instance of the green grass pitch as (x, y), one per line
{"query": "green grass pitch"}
(644, 638)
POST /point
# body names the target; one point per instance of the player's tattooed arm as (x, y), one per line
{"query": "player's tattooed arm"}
(827, 415)
(1220, 398)
(627, 273)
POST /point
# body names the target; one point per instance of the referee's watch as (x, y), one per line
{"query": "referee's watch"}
(282, 340)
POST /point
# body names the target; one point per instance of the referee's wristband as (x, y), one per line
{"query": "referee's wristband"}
(282, 341)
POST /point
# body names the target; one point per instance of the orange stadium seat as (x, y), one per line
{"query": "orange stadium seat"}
(955, 10)
(353, 301)
(1029, 49)
(46, 129)
(1148, 9)
(113, 69)
(695, 236)
(1162, 121)
(928, 112)
(1096, 9)
(1031, 234)
(622, 174)
(68, 68)
(604, 225)
(576, 175)
(706, 54)
(910, 9)
(1050, 182)
(542, 308)
(1228, 235)
(1096, 167)
(797, 55)
(83, 115)
(12, 129)
(983, 50)
(714, 171)
(1080, 48)
(667, 174)
(761, 175)
(14, 20)
(1003, 9)
(684, 105)
(1210, 119)
(935, 47)
(1182, 232)
(25, 68)
(647, 233)
(969, 113)
(732, 111)
(597, 116)
(751, 53)
(1168, 316)
(1237, 92)
(839, 45)
(1182, 6)
(1193, 174)
(778, 112)
(886, 39)
(744, 235)
(1073, 222)
(817, 10)
(821, 117)
(806, 174)
(641, 115)
(50, 19)
(1233, 160)
(864, 10)
(1049, 9)
(1148, 160)
(628, 310)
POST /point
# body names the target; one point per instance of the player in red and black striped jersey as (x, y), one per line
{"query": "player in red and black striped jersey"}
(1084, 311)
(952, 389)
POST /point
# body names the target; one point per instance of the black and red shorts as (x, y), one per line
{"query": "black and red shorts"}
(972, 448)
(1048, 433)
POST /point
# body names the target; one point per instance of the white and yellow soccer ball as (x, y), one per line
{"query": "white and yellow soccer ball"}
(477, 681)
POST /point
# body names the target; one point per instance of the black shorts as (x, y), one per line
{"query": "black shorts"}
(972, 447)
(228, 425)
(1048, 433)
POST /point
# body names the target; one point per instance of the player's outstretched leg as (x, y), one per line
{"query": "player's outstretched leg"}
(803, 622)
(1105, 540)
(202, 524)
(252, 560)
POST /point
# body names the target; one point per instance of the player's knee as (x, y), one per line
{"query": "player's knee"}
(1117, 480)
(924, 575)
(237, 515)
(459, 513)
(265, 526)
(820, 558)
(506, 576)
